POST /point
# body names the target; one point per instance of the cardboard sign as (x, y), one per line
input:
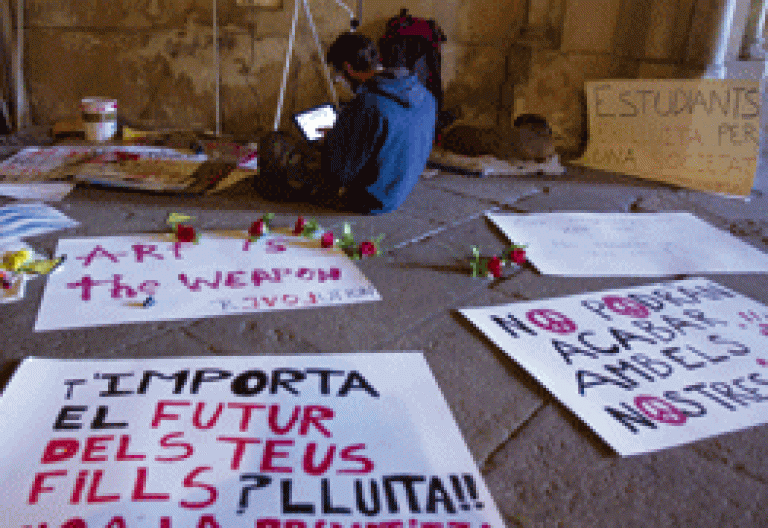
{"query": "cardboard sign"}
(646, 368)
(107, 279)
(626, 244)
(702, 134)
(349, 440)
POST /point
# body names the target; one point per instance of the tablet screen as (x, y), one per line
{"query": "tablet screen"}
(311, 121)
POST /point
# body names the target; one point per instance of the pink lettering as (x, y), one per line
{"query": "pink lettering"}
(200, 281)
(149, 287)
(148, 250)
(118, 288)
(233, 280)
(332, 274)
(260, 275)
(271, 301)
(99, 251)
(86, 283)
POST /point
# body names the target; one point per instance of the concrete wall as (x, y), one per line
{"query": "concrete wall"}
(503, 57)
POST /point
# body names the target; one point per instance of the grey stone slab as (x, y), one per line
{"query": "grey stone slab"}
(494, 190)
(490, 396)
(439, 206)
(555, 472)
(575, 196)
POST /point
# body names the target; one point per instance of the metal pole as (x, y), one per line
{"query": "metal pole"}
(360, 11)
(18, 67)
(287, 66)
(216, 71)
(323, 65)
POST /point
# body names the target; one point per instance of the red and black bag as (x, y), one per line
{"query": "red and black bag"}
(416, 44)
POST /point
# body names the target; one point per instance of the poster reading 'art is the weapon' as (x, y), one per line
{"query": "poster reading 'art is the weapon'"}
(646, 368)
(702, 134)
(352, 440)
(107, 280)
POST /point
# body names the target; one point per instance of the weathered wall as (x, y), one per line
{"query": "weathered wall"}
(503, 57)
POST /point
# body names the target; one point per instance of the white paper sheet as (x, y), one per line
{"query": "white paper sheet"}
(46, 192)
(107, 439)
(105, 280)
(20, 220)
(646, 368)
(625, 244)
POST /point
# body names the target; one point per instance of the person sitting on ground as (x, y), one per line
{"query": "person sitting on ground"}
(373, 156)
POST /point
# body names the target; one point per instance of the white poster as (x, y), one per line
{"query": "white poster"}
(702, 133)
(646, 368)
(627, 244)
(349, 440)
(107, 280)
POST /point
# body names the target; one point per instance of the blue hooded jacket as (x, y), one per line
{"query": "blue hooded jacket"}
(380, 143)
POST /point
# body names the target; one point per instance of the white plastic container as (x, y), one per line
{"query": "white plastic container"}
(99, 118)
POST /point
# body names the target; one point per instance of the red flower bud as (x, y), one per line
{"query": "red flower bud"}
(257, 228)
(326, 240)
(299, 227)
(367, 249)
(494, 266)
(185, 233)
(517, 256)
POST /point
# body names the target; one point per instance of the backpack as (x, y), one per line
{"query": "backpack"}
(419, 43)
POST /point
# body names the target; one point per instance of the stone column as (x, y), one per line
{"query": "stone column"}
(717, 68)
(753, 47)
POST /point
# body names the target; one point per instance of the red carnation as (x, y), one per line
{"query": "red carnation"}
(326, 240)
(257, 228)
(185, 233)
(367, 249)
(517, 256)
(494, 266)
(299, 227)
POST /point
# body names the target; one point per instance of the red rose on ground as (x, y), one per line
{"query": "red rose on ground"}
(299, 227)
(367, 249)
(257, 228)
(494, 266)
(185, 233)
(326, 240)
(517, 256)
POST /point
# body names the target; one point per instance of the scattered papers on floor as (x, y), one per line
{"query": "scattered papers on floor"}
(21, 220)
(34, 164)
(626, 244)
(46, 192)
(646, 368)
(236, 442)
(107, 279)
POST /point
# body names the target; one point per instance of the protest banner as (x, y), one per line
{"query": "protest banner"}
(331, 441)
(646, 368)
(701, 134)
(627, 244)
(106, 280)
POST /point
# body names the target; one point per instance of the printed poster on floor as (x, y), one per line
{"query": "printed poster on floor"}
(701, 134)
(107, 280)
(302, 441)
(626, 244)
(646, 368)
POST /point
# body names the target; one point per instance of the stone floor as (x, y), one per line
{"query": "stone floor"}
(543, 466)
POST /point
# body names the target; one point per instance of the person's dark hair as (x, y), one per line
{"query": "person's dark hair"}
(356, 49)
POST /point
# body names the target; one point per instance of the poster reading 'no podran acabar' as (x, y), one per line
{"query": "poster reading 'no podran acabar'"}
(348, 441)
(106, 280)
(646, 368)
(702, 134)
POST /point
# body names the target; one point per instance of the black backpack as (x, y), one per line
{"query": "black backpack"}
(415, 43)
